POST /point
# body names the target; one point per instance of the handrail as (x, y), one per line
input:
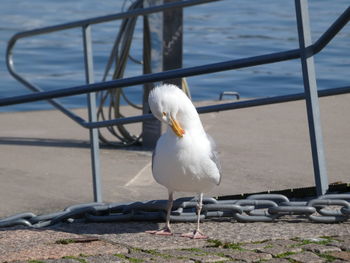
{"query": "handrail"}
(154, 77)
(223, 107)
(185, 72)
(83, 23)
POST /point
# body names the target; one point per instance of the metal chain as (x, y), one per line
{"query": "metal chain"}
(333, 208)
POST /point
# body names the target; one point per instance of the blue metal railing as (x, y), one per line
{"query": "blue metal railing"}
(305, 53)
(313, 49)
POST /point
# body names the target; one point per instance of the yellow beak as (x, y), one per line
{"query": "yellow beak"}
(176, 127)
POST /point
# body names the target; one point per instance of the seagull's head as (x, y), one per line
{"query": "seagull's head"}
(170, 105)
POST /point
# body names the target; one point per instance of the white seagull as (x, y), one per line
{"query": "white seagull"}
(184, 159)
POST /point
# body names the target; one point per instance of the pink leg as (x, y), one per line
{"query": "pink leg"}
(197, 234)
(166, 231)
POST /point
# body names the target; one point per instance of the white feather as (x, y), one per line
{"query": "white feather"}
(188, 163)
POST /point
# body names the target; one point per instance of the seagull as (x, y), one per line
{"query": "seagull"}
(184, 159)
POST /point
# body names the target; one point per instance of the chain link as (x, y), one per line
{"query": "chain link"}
(331, 208)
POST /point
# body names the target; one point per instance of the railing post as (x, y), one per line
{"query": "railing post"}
(162, 51)
(311, 96)
(153, 59)
(172, 41)
(91, 99)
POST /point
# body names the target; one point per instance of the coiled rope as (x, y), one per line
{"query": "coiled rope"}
(109, 101)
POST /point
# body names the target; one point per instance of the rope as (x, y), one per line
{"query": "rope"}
(109, 101)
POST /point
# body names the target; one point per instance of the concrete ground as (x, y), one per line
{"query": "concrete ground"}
(45, 160)
(45, 166)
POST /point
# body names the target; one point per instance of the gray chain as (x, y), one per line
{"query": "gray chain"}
(332, 208)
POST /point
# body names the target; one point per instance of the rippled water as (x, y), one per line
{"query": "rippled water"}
(213, 32)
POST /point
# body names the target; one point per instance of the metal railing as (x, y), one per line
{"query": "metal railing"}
(305, 53)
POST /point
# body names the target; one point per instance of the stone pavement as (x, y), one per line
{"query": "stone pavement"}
(128, 242)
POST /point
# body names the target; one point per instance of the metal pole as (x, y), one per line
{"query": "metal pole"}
(311, 97)
(172, 41)
(91, 99)
(162, 51)
(153, 59)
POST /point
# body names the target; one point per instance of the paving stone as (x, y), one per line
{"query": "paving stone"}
(278, 250)
(343, 245)
(132, 234)
(89, 259)
(306, 257)
(105, 259)
(235, 261)
(156, 242)
(335, 243)
(198, 255)
(253, 246)
(343, 242)
(247, 252)
(61, 260)
(332, 241)
(281, 242)
(320, 248)
(344, 239)
(219, 251)
(344, 255)
(278, 260)
(112, 259)
(208, 258)
(194, 254)
(133, 257)
(216, 250)
(316, 239)
(31, 244)
(146, 257)
(178, 253)
(233, 253)
(172, 260)
(247, 256)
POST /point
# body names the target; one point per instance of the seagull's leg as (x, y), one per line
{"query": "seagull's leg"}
(197, 233)
(166, 231)
(169, 207)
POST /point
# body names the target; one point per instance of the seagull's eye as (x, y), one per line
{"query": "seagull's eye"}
(164, 114)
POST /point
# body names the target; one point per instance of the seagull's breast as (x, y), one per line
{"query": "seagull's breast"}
(184, 164)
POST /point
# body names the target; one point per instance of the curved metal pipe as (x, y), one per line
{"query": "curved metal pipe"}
(81, 23)
(177, 73)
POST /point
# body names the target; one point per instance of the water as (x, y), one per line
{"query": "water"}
(212, 33)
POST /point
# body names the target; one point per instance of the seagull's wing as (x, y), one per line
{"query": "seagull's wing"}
(153, 156)
(214, 156)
